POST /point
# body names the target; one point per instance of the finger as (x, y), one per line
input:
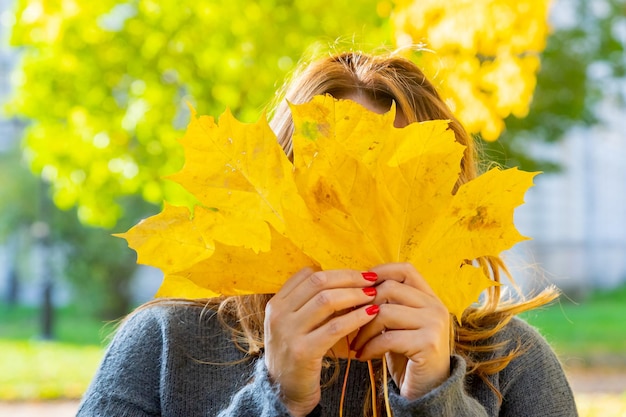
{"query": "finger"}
(399, 317)
(328, 303)
(322, 280)
(395, 292)
(390, 317)
(403, 272)
(294, 281)
(339, 327)
(403, 342)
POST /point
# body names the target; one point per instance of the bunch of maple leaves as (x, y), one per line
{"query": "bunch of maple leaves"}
(359, 192)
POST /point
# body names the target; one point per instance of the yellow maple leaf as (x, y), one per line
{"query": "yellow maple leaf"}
(237, 167)
(359, 192)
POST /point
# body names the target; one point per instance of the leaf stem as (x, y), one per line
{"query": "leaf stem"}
(373, 385)
(386, 388)
(345, 380)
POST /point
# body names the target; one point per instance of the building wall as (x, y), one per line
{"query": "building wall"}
(577, 217)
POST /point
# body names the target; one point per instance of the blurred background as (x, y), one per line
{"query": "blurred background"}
(94, 96)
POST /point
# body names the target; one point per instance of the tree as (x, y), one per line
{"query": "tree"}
(19, 205)
(104, 88)
(485, 54)
(106, 83)
(583, 64)
(97, 265)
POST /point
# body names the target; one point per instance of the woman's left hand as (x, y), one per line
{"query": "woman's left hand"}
(412, 329)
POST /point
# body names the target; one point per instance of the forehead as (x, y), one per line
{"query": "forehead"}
(376, 106)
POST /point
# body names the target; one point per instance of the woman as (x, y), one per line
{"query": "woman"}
(285, 354)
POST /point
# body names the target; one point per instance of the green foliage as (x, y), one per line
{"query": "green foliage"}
(106, 84)
(98, 266)
(19, 196)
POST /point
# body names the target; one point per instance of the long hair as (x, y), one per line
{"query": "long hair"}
(385, 79)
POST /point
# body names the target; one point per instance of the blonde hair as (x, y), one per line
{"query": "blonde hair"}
(387, 78)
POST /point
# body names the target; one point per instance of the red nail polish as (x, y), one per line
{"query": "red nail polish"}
(371, 310)
(369, 291)
(370, 276)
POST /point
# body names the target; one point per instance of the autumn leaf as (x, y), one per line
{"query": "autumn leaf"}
(237, 167)
(234, 270)
(183, 241)
(359, 192)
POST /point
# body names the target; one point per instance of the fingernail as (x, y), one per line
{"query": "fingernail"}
(370, 276)
(369, 291)
(371, 310)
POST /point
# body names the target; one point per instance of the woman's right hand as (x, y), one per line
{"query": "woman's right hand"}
(304, 320)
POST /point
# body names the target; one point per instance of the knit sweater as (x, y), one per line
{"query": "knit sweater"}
(176, 361)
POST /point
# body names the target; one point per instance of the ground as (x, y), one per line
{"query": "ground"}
(598, 380)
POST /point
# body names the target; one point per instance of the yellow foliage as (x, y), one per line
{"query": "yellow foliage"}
(485, 54)
(358, 193)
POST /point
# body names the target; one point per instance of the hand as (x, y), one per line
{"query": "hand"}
(306, 318)
(412, 329)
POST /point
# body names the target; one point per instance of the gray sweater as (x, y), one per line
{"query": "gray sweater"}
(174, 361)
